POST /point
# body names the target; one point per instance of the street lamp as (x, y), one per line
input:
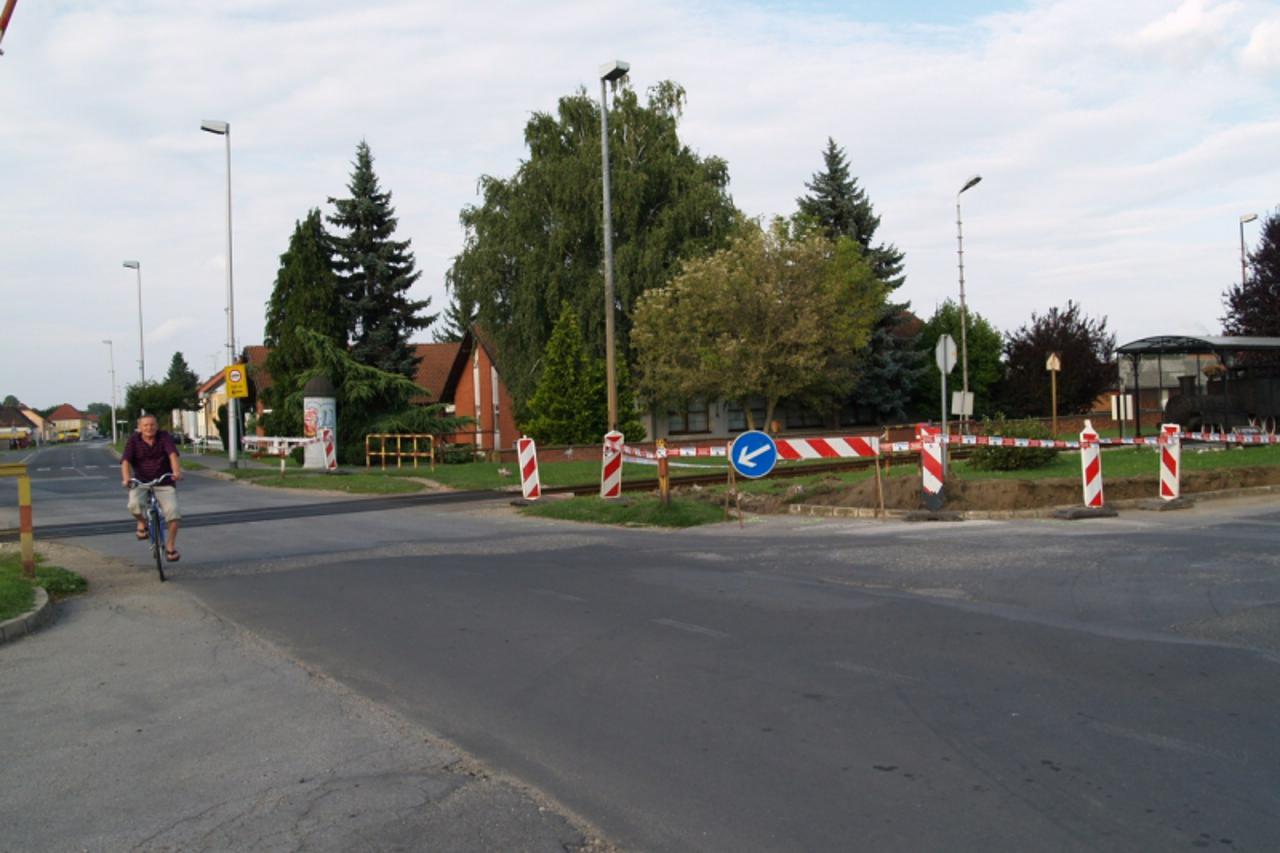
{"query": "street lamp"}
(136, 266)
(964, 320)
(1248, 217)
(610, 72)
(111, 351)
(223, 129)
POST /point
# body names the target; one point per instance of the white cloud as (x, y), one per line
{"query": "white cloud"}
(1118, 143)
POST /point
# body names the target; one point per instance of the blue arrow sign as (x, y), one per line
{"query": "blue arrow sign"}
(753, 454)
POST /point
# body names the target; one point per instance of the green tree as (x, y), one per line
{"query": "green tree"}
(534, 244)
(102, 411)
(458, 318)
(984, 344)
(306, 295)
(1253, 307)
(183, 384)
(1085, 349)
(11, 400)
(370, 400)
(570, 404)
(775, 315)
(155, 398)
(892, 366)
(375, 273)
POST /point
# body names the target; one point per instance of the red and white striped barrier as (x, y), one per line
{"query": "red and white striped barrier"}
(641, 453)
(1170, 462)
(527, 456)
(330, 450)
(1091, 465)
(931, 463)
(611, 466)
(1232, 437)
(854, 446)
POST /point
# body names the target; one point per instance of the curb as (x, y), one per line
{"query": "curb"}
(825, 511)
(19, 626)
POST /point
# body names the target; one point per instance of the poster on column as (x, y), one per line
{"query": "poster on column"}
(318, 413)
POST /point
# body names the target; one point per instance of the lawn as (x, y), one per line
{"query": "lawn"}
(17, 594)
(631, 511)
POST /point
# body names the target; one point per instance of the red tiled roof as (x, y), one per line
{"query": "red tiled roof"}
(257, 356)
(66, 412)
(433, 367)
(12, 416)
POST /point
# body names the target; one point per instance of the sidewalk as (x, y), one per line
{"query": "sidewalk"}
(139, 719)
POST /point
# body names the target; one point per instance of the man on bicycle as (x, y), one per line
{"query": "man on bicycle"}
(149, 454)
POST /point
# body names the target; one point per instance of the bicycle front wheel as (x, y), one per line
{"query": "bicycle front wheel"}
(156, 523)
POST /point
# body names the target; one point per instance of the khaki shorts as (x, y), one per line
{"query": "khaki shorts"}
(166, 495)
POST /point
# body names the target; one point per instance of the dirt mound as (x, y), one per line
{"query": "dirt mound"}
(995, 494)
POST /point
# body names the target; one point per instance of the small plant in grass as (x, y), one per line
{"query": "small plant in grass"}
(632, 512)
(17, 594)
(1012, 458)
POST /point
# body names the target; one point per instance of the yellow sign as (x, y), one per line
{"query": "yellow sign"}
(237, 381)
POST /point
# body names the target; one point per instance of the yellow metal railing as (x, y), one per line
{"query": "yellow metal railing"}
(25, 532)
(399, 452)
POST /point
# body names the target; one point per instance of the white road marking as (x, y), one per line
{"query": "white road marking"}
(692, 629)
(860, 669)
(563, 596)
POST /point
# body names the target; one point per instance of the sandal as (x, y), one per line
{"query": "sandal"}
(141, 532)
(172, 556)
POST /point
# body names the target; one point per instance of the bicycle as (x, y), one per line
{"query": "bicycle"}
(154, 516)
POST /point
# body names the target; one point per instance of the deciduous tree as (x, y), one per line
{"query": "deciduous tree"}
(1085, 349)
(773, 315)
(1253, 308)
(984, 344)
(534, 243)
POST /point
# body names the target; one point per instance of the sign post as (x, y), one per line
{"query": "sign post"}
(944, 354)
(1053, 365)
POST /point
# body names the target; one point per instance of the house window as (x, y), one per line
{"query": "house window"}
(738, 418)
(694, 418)
(801, 417)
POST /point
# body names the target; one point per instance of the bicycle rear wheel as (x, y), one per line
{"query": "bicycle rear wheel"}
(156, 522)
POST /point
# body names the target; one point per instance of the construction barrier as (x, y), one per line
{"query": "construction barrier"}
(611, 466)
(527, 454)
(273, 445)
(931, 469)
(400, 452)
(26, 531)
(1170, 462)
(330, 450)
(856, 447)
(1091, 466)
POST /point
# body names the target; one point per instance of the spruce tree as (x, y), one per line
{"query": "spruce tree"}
(306, 296)
(1253, 307)
(457, 319)
(375, 273)
(892, 367)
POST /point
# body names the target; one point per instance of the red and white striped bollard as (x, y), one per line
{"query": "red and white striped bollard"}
(527, 458)
(931, 471)
(1091, 465)
(1170, 461)
(611, 466)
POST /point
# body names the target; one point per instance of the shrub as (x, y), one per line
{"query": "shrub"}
(1012, 458)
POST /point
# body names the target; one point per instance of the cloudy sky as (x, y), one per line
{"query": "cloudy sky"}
(1119, 143)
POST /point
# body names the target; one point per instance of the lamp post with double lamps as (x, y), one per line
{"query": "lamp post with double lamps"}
(136, 266)
(610, 72)
(1248, 217)
(964, 319)
(223, 129)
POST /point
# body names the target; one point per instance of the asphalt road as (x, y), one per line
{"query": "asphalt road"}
(800, 684)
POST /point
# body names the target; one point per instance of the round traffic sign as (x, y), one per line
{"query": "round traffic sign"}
(753, 454)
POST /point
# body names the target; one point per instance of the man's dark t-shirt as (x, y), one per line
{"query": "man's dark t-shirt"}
(150, 461)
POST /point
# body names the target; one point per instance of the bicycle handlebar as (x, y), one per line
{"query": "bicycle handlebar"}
(134, 481)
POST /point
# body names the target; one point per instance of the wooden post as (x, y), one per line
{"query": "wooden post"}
(664, 476)
(879, 491)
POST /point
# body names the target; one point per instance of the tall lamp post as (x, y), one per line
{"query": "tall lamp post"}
(1248, 217)
(136, 266)
(964, 320)
(111, 352)
(223, 129)
(610, 72)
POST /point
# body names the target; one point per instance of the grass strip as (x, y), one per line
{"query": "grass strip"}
(630, 512)
(17, 594)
